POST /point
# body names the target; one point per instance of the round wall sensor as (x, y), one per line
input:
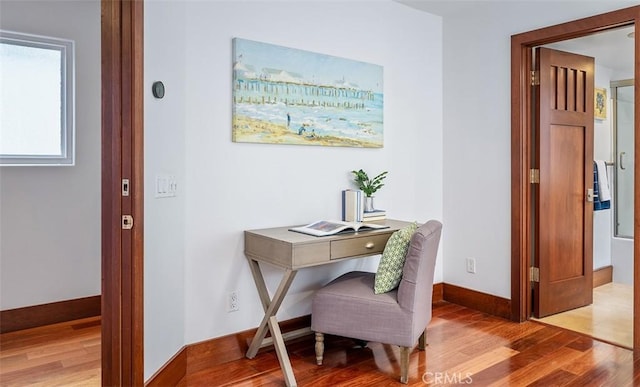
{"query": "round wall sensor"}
(157, 89)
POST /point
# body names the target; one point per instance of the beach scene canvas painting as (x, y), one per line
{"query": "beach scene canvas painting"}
(288, 96)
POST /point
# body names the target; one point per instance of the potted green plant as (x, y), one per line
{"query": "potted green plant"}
(368, 185)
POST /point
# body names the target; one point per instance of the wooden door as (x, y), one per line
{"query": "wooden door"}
(564, 154)
(122, 158)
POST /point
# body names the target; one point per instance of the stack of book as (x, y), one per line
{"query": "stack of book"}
(372, 216)
(352, 205)
(353, 208)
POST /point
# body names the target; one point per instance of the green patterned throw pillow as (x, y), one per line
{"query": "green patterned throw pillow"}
(389, 271)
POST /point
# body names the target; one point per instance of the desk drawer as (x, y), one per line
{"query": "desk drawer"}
(364, 245)
(311, 254)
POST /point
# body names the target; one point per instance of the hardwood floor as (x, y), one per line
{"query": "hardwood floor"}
(64, 354)
(464, 347)
(609, 318)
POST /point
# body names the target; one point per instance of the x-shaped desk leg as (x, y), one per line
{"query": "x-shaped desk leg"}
(271, 307)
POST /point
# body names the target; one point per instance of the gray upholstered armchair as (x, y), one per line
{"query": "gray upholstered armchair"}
(348, 307)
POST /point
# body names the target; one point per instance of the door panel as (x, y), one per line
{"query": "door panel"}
(564, 155)
(564, 202)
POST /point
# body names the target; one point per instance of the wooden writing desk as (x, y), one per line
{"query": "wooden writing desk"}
(292, 251)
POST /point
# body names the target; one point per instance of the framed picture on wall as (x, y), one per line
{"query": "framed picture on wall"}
(600, 104)
(283, 95)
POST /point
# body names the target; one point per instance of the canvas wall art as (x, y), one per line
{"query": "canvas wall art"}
(600, 104)
(288, 96)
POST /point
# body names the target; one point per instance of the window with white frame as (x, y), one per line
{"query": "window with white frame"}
(36, 100)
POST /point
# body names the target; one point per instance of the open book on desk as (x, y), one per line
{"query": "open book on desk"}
(332, 227)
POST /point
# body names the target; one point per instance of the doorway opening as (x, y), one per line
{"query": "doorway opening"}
(522, 222)
(608, 316)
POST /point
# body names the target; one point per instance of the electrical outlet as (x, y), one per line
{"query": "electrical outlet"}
(471, 265)
(233, 303)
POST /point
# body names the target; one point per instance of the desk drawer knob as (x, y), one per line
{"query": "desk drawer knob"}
(370, 245)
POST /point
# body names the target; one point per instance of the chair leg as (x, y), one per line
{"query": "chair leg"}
(319, 347)
(404, 364)
(422, 341)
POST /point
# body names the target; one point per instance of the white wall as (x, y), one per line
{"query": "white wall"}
(477, 132)
(226, 188)
(164, 152)
(235, 186)
(50, 216)
(232, 187)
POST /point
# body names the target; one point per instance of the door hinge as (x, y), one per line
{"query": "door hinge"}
(535, 78)
(534, 274)
(127, 222)
(534, 176)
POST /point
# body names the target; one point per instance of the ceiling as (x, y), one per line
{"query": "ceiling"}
(441, 8)
(612, 48)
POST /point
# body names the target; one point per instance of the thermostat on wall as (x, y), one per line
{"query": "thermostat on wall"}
(158, 89)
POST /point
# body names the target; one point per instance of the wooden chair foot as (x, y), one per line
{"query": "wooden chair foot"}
(319, 347)
(404, 364)
(422, 341)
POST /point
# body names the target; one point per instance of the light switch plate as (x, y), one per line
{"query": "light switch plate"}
(166, 186)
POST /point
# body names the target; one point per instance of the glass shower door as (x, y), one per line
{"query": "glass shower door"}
(622, 93)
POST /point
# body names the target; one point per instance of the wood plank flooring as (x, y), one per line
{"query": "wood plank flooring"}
(64, 354)
(609, 318)
(464, 347)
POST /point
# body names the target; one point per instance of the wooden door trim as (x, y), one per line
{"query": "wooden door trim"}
(521, 52)
(122, 157)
